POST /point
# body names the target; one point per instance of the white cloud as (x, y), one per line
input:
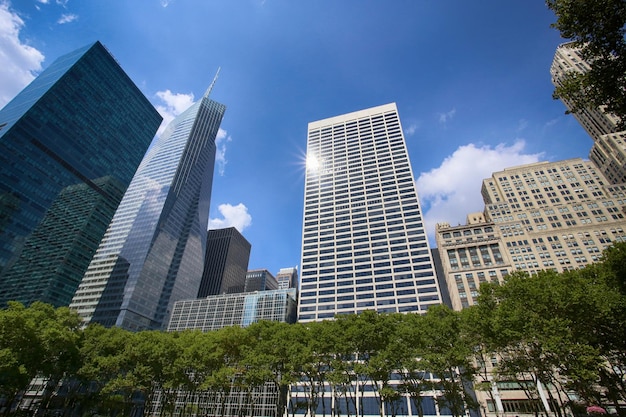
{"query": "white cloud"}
(446, 117)
(20, 62)
(165, 3)
(173, 105)
(220, 150)
(412, 128)
(233, 216)
(43, 1)
(452, 191)
(552, 122)
(67, 18)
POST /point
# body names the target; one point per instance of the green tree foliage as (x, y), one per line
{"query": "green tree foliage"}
(563, 329)
(598, 28)
(566, 330)
(36, 341)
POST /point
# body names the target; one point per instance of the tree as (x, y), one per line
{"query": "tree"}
(103, 365)
(447, 354)
(598, 28)
(20, 351)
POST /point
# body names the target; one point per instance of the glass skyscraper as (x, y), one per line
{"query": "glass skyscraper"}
(70, 143)
(364, 245)
(153, 251)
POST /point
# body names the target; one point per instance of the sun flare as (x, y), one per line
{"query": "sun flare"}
(312, 163)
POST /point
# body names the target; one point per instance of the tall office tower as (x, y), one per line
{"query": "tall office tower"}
(364, 245)
(260, 280)
(152, 253)
(225, 263)
(287, 278)
(76, 134)
(609, 149)
(548, 215)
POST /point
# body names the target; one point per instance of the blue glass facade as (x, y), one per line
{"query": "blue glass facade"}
(80, 121)
(153, 251)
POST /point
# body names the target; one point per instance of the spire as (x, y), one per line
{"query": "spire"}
(208, 91)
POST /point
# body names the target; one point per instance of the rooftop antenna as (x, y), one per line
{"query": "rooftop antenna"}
(208, 91)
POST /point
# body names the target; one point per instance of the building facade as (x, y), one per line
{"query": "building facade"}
(542, 216)
(609, 148)
(364, 243)
(242, 309)
(153, 251)
(474, 253)
(555, 215)
(80, 128)
(225, 262)
(547, 215)
(287, 278)
(260, 280)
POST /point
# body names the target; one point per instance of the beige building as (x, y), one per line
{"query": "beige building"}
(609, 150)
(471, 254)
(547, 215)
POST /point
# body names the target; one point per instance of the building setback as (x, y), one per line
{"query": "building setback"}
(153, 251)
(364, 243)
(75, 134)
(225, 263)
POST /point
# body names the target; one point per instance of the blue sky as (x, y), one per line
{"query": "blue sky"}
(471, 81)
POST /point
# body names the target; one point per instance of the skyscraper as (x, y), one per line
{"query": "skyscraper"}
(76, 134)
(153, 251)
(609, 148)
(225, 263)
(364, 246)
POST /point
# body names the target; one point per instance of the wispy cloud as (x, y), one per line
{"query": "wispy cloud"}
(412, 128)
(232, 216)
(552, 122)
(446, 117)
(165, 3)
(522, 125)
(451, 191)
(220, 150)
(20, 62)
(172, 105)
(67, 18)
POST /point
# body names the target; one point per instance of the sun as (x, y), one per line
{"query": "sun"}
(312, 163)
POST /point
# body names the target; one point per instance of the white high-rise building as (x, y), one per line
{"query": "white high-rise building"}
(364, 245)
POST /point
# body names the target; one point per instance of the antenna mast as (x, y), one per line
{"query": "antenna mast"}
(208, 91)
